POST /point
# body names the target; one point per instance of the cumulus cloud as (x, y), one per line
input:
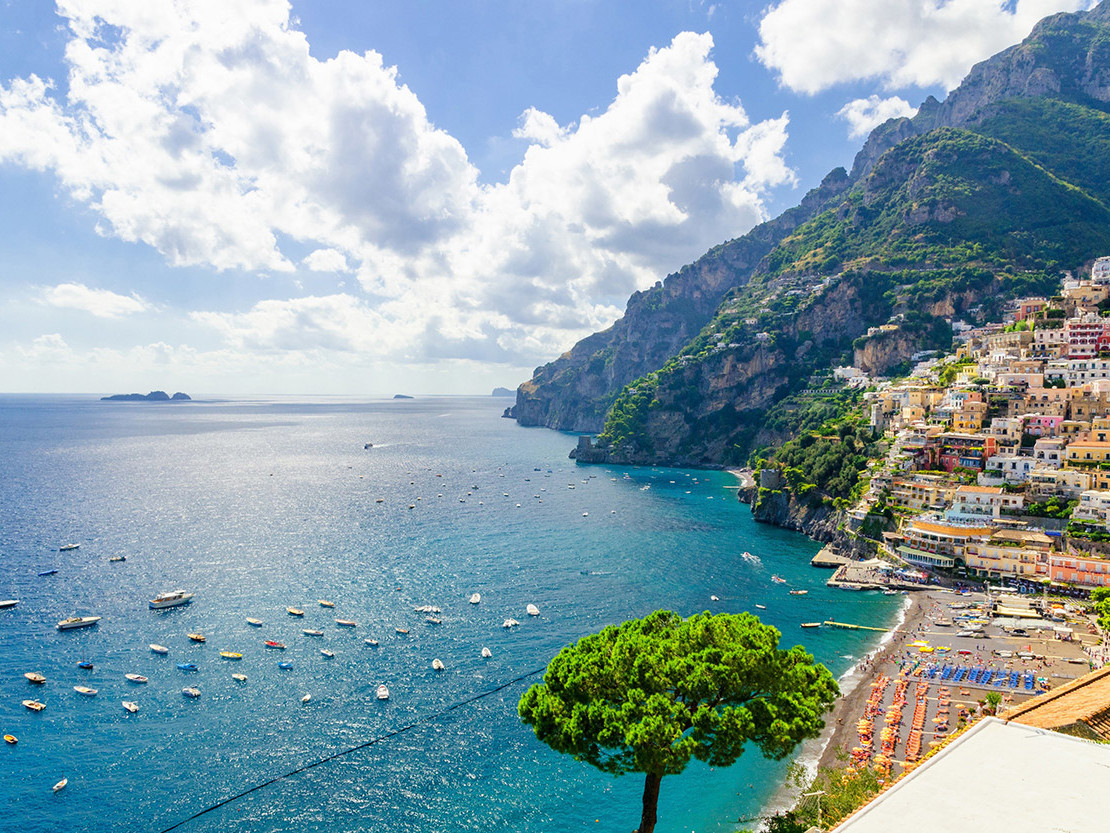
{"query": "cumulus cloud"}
(816, 44)
(209, 132)
(102, 303)
(865, 114)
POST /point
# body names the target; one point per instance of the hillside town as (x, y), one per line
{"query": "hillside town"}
(999, 455)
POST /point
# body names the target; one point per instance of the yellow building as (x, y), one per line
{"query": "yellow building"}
(1009, 552)
(1087, 454)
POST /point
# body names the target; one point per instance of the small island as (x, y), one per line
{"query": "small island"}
(401, 396)
(503, 392)
(153, 396)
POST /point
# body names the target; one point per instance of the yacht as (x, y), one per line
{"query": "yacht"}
(172, 599)
(6, 603)
(382, 693)
(77, 622)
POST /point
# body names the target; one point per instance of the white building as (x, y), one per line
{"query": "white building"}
(1093, 506)
(1100, 272)
(978, 503)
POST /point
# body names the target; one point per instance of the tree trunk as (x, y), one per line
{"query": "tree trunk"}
(651, 802)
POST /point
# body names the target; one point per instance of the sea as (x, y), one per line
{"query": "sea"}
(258, 504)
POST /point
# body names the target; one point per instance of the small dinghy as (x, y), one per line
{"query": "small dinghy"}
(762, 607)
(438, 665)
(197, 637)
(159, 649)
(61, 785)
(306, 699)
(232, 655)
(187, 666)
(135, 678)
(294, 611)
(34, 705)
(382, 693)
(402, 631)
(308, 632)
(257, 623)
(35, 677)
(269, 643)
(285, 666)
(327, 653)
(130, 706)
(242, 678)
(189, 691)
(476, 598)
(811, 624)
(487, 653)
(85, 690)
(346, 623)
(12, 739)
(86, 665)
(533, 610)
(325, 603)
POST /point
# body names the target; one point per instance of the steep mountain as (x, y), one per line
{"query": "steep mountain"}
(988, 194)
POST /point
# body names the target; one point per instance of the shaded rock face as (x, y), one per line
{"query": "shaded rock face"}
(880, 353)
(807, 515)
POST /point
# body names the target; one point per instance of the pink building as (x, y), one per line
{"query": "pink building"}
(1073, 568)
(1040, 425)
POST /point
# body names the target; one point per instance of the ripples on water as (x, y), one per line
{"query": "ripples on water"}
(255, 505)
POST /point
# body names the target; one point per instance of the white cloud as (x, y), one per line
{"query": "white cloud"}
(209, 132)
(816, 44)
(102, 303)
(865, 114)
(326, 260)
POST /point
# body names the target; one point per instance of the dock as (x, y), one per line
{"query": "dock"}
(833, 624)
(828, 559)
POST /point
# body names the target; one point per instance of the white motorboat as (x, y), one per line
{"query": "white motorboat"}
(61, 785)
(69, 547)
(306, 699)
(346, 623)
(762, 607)
(189, 691)
(34, 705)
(308, 632)
(438, 665)
(239, 677)
(373, 643)
(174, 598)
(159, 649)
(135, 678)
(84, 689)
(811, 624)
(476, 598)
(130, 706)
(294, 611)
(6, 603)
(77, 622)
(533, 610)
(327, 653)
(382, 693)
(254, 622)
(714, 598)
(487, 653)
(35, 677)
(510, 623)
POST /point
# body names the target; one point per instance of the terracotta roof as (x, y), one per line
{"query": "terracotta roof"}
(1086, 700)
(984, 490)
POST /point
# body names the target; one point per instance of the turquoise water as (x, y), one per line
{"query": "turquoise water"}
(256, 505)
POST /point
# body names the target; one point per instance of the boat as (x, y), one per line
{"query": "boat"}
(271, 644)
(475, 598)
(85, 690)
(187, 666)
(35, 677)
(230, 655)
(294, 611)
(402, 631)
(373, 643)
(174, 598)
(346, 623)
(327, 653)
(309, 632)
(532, 610)
(88, 666)
(367, 445)
(811, 624)
(159, 649)
(48, 572)
(135, 678)
(487, 653)
(380, 500)
(255, 622)
(189, 691)
(433, 620)
(762, 607)
(510, 623)
(285, 666)
(306, 699)
(381, 692)
(438, 665)
(34, 705)
(890, 592)
(325, 603)
(798, 592)
(130, 706)
(12, 739)
(714, 598)
(61, 785)
(117, 558)
(778, 580)
(240, 677)
(6, 603)
(197, 637)
(69, 547)
(77, 622)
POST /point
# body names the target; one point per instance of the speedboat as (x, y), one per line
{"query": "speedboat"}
(487, 653)
(187, 666)
(171, 599)
(294, 611)
(532, 610)
(6, 603)
(510, 623)
(197, 637)
(84, 689)
(35, 677)
(130, 706)
(88, 666)
(798, 592)
(381, 692)
(327, 653)
(373, 643)
(159, 649)
(325, 603)
(271, 644)
(346, 623)
(306, 699)
(778, 580)
(475, 598)
(61, 785)
(77, 622)
(714, 598)
(438, 665)
(34, 705)
(308, 632)
(230, 655)
(240, 677)
(762, 607)
(69, 547)
(255, 622)
(135, 678)
(285, 666)
(189, 691)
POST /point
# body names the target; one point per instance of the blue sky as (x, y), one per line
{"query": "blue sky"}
(340, 196)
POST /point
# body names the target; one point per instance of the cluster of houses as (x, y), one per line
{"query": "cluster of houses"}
(1003, 468)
